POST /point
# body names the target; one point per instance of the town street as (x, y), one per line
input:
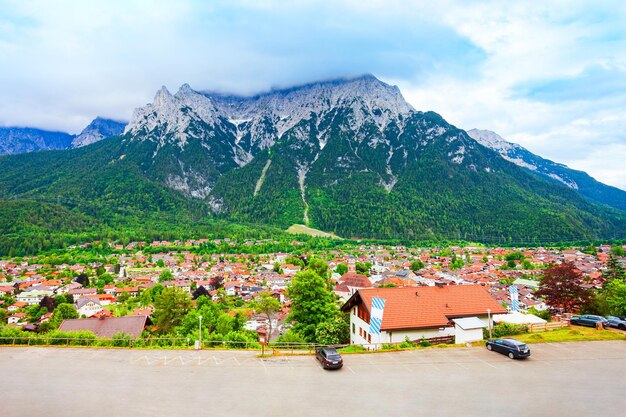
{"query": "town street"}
(566, 379)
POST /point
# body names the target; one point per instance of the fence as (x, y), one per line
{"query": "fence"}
(149, 343)
(187, 343)
(544, 327)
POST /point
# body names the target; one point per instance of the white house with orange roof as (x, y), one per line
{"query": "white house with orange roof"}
(418, 313)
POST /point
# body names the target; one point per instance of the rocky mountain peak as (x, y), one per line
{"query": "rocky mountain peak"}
(99, 128)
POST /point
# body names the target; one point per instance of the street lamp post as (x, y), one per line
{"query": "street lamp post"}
(200, 330)
(489, 322)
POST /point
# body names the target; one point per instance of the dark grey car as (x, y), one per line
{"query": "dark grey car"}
(514, 349)
(329, 358)
(617, 322)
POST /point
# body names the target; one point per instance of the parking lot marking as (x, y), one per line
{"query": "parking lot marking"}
(350, 369)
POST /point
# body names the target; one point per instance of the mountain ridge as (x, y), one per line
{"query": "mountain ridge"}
(350, 157)
(552, 171)
(17, 140)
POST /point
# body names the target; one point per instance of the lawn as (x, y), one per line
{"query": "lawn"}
(570, 334)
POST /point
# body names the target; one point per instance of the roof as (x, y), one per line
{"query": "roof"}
(516, 317)
(469, 323)
(352, 279)
(424, 307)
(107, 327)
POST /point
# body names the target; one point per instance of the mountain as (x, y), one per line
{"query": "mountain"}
(347, 156)
(552, 171)
(98, 129)
(14, 140)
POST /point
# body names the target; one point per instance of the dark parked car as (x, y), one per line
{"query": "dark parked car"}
(514, 349)
(617, 322)
(329, 358)
(589, 320)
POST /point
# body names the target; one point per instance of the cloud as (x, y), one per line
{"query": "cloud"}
(550, 75)
(75, 60)
(593, 83)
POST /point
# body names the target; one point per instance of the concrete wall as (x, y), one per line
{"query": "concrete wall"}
(470, 335)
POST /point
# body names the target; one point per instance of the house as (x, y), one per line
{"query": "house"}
(107, 326)
(349, 283)
(16, 318)
(417, 312)
(4, 290)
(16, 306)
(87, 306)
(34, 295)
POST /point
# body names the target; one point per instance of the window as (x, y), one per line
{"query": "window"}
(353, 328)
(360, 331)
(369, 338)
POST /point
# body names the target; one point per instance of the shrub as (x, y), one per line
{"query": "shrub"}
(407, 343)
(507, 329)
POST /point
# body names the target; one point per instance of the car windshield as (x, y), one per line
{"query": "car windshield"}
(334, 356)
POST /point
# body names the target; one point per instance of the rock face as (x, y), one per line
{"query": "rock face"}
(15, 140)
(551, 171)
(348, 155)
(97, 130)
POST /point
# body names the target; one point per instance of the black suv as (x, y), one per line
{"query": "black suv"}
(329, 358)
(514, 349)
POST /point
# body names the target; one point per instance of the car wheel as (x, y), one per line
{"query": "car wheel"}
(622, 327)
(489, 347)
(511, 355)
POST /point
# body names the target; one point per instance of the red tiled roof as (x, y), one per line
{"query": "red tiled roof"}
(352, 279)
(420, 307)
(107, 327)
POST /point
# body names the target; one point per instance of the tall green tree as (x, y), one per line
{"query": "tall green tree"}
(267, 306)
(616, 297)
(170, 307)
(166, 276)
(312, 302)
(341, 269)
(614, 270)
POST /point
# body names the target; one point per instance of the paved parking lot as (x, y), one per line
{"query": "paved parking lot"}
(565, 379)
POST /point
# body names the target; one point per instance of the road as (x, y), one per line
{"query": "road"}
(565, 379)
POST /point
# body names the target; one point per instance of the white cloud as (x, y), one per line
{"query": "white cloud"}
(65, 62)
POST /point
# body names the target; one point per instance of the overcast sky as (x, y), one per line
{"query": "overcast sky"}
(551, 77)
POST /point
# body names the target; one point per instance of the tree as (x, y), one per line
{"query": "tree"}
(363, 268)
(312, 302)
(616, 297)
(166, 276)
(170, 307)
(614, 270)
(319, 267)
(199, 292)
(160, 263)
(216, 282)
(82, 279)
(417, 265)
(267, 306)
(48, 303)
(562, 288)
(334, 331)
(341, 269)
(618, 251)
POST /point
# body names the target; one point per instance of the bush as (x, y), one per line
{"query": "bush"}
(407, 343)
(424, 343)
(506, 329)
